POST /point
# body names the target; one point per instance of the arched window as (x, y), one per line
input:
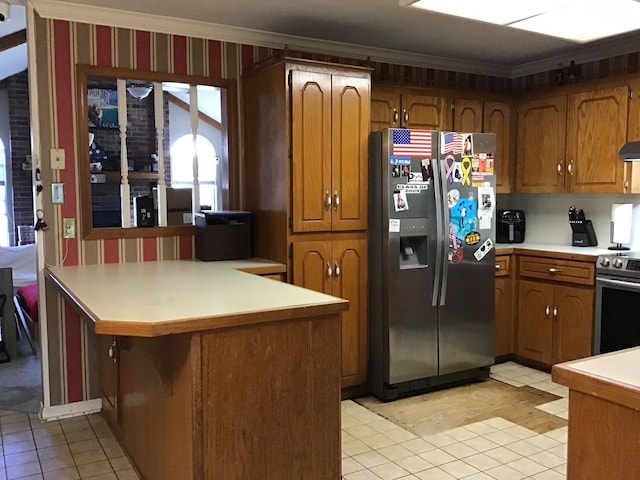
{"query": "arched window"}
(182, 168)
(4, 218)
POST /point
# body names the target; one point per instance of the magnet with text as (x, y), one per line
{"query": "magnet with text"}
(399, 161)
(483, 250)
(472, 238)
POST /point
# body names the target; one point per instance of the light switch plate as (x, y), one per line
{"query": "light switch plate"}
(57, 159)
(57, 193)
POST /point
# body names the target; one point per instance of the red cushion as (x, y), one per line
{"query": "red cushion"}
(29, 298)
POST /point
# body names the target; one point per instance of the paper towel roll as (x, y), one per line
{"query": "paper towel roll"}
(621, 214)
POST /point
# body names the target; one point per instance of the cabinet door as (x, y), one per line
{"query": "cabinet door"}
(467, 116)
(541, 146)
(504, 316)
(424, 112)
(313, 266)
(573, 323)
(349, 153)
(497, 119)
(385, 110)
(311, 149)
(350, 282)
(534, 324)
(108, 360)
(596, 129)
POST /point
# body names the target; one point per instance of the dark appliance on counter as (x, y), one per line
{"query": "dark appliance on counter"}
(431, 259)
(144, 211)
(510, 226)
(583, 234)
(224, 235)
(617, 300)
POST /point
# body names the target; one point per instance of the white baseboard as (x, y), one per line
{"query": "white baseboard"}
(67, 410)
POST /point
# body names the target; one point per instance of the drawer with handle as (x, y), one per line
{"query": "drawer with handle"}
(502, 265)
(570, 271)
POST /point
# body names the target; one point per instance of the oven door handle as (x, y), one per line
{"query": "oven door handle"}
(619, 283)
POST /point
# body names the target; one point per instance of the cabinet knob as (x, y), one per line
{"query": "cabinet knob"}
(555, 312)
(498, 267)
(329, 270)
(547, 310)
(559, 168)
(570, 167)
(327, 202)
(406, 117)
(555, 270)
(336, 200)
(337, 271)
(395, 116)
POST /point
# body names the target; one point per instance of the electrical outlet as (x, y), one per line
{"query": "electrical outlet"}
(57, 159)
(69, 226)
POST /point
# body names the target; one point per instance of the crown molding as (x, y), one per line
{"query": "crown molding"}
(585, 53)
(59, 10)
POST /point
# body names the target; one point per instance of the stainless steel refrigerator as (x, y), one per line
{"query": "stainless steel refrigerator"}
(432, 263)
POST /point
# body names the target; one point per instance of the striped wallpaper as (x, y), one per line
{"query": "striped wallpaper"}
(60, 46)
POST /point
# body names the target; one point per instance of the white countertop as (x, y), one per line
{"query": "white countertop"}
(149, 294)
(594, 251)
(621, 367)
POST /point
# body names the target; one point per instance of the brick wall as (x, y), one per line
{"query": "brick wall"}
(19, 124)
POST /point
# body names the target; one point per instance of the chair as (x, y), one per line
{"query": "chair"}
(18, 267)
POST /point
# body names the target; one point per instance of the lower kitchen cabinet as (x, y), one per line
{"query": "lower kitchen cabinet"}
(504, 306)
(555, 321)
(339, 268)
(109, 377)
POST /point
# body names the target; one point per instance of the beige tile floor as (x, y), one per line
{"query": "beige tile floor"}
(374, 448)
(75, 448)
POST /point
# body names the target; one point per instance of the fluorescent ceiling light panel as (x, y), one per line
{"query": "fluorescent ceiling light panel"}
(577, 20)
(587, 21)
(501, 12)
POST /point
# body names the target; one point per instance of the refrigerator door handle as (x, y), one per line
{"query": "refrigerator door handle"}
(446, 216)
(440, 234)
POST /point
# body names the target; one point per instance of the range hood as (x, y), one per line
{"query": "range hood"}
(630, 152)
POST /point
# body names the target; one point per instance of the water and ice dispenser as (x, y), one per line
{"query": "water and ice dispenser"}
(413, 243)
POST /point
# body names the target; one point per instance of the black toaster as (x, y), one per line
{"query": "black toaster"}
(510, 226)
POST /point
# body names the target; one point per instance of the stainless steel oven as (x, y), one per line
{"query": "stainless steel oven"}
(617, 315)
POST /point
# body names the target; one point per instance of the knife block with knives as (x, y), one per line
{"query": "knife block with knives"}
(583, 234)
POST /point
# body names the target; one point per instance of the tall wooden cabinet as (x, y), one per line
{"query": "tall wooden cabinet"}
(305, 168)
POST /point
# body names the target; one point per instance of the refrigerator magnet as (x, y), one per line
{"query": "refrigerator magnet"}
(415, 177)
(400, 201)
(487, 201)
(457, 172)
(452, 197)
(483, 250)
(455, 256)
(467, 145)
(427, 172)
(394, 225)
(472, 238)
(484, 222)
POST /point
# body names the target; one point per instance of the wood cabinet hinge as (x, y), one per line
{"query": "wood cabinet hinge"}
(290, 222)
(291, 251)
(290, 79)
(453, 106)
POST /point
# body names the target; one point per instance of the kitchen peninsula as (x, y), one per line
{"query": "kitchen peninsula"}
(604, 415)
(213, 372)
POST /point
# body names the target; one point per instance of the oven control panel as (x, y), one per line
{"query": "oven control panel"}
(623, 262)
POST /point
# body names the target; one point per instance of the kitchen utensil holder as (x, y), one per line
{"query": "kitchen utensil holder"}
(583, 233)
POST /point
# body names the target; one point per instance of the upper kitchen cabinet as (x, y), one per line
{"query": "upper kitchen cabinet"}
(329, 118)
(541, 145)
(471, 115)
(467, 115)
(570, 143)
(398, 107)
